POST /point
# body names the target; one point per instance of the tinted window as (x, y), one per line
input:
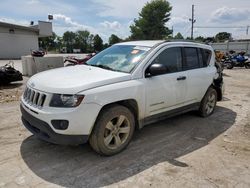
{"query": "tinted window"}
(171, 58)
(200, 55)
(192, 59)
(206, 57)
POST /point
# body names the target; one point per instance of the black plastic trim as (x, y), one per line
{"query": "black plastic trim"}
(171, 113)
(43, 131)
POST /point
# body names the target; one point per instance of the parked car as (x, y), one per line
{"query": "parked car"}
(124, 87)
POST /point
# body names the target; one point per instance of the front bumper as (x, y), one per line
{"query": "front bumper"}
(43, 131)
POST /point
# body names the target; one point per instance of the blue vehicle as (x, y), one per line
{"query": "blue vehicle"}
(237, 60)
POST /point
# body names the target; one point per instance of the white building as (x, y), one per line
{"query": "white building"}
(17, 40)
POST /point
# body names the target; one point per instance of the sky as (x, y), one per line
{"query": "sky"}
(106, 17)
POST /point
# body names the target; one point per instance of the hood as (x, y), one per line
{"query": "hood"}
(74, 79)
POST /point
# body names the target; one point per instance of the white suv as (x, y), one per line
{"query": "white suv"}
(124, 87)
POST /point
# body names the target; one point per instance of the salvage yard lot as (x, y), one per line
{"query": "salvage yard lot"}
(184, 151)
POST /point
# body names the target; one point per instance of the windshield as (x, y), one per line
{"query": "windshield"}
(122, 58)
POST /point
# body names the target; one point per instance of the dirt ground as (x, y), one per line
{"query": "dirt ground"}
(184, 151)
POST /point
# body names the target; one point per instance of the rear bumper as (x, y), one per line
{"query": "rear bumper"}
(43, 131)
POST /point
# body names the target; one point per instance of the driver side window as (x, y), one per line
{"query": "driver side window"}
(171, 58)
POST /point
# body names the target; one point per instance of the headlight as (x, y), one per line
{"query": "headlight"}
(67, 101)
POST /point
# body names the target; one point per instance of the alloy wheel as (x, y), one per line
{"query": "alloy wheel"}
(211, 102)
(116, 132)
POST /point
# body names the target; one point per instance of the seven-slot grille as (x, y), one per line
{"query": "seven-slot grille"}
(34, 97)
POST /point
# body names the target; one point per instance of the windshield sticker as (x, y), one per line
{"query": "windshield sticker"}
(134, 52)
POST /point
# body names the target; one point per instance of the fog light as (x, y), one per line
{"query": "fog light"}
(60, 124)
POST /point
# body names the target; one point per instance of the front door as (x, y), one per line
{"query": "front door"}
(167, 91)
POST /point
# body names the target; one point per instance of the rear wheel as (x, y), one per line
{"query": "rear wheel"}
(230, 65)
(113, 130)
(208, 103)
(247, 65)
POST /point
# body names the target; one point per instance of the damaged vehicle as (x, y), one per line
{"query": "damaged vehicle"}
(9, 74)
(121, 89)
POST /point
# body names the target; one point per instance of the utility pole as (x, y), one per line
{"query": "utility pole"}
(192, 20)
(247, 29)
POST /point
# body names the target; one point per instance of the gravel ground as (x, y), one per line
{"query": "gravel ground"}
(184, 151)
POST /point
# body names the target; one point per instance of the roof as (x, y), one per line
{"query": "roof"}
(147, 43)
(14, 26)
(152, 43)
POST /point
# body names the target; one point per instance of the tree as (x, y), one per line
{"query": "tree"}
(90, 43)
(48, 43)
(200, 39)
(82, 37)
(178, 36)
(69, 39)
(113, 39)
(209, 39)
(152, 20)
(59, 43)
(98, 43)
(223, 36)
(106, 45)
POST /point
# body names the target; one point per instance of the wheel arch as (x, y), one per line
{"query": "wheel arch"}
(218, 91)
(131, 104)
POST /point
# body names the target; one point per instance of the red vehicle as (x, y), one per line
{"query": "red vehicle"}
(72, 60)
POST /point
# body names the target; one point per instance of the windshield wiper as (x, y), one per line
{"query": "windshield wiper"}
(103, 67)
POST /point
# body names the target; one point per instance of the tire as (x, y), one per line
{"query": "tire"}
(247, 65)
(208, 103)
(230, 65)
(113, 130)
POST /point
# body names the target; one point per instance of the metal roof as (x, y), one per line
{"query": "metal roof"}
(147, 43)
(14, 26)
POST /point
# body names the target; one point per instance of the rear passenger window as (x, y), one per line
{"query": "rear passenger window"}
(206, 57)
(200, 55)
(192, 59)
(171, 58)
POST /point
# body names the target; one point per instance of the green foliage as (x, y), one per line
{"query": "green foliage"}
(223, 36)
(82, 40)
(98, 43)
(106, 45)
(178, 36)
(199, 39)
(69, 39)
(48, 43)
(209, 39)
(151, 21)
(113, 39)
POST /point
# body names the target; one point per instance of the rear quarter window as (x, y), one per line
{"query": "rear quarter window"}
(207, 54)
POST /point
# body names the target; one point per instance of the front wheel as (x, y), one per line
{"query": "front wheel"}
(208, 103)
(113, 130)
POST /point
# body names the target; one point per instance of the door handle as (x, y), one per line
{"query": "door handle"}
(181, 78)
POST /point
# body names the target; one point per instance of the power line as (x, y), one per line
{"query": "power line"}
(224, 27)
(220, 27)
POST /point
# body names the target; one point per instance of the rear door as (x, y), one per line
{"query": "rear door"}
(200, 73)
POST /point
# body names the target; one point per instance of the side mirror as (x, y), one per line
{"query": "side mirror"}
(156, 69)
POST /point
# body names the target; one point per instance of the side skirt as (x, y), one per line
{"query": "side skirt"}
(168, 114)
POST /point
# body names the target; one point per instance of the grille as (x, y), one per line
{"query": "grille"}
(34, 98)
